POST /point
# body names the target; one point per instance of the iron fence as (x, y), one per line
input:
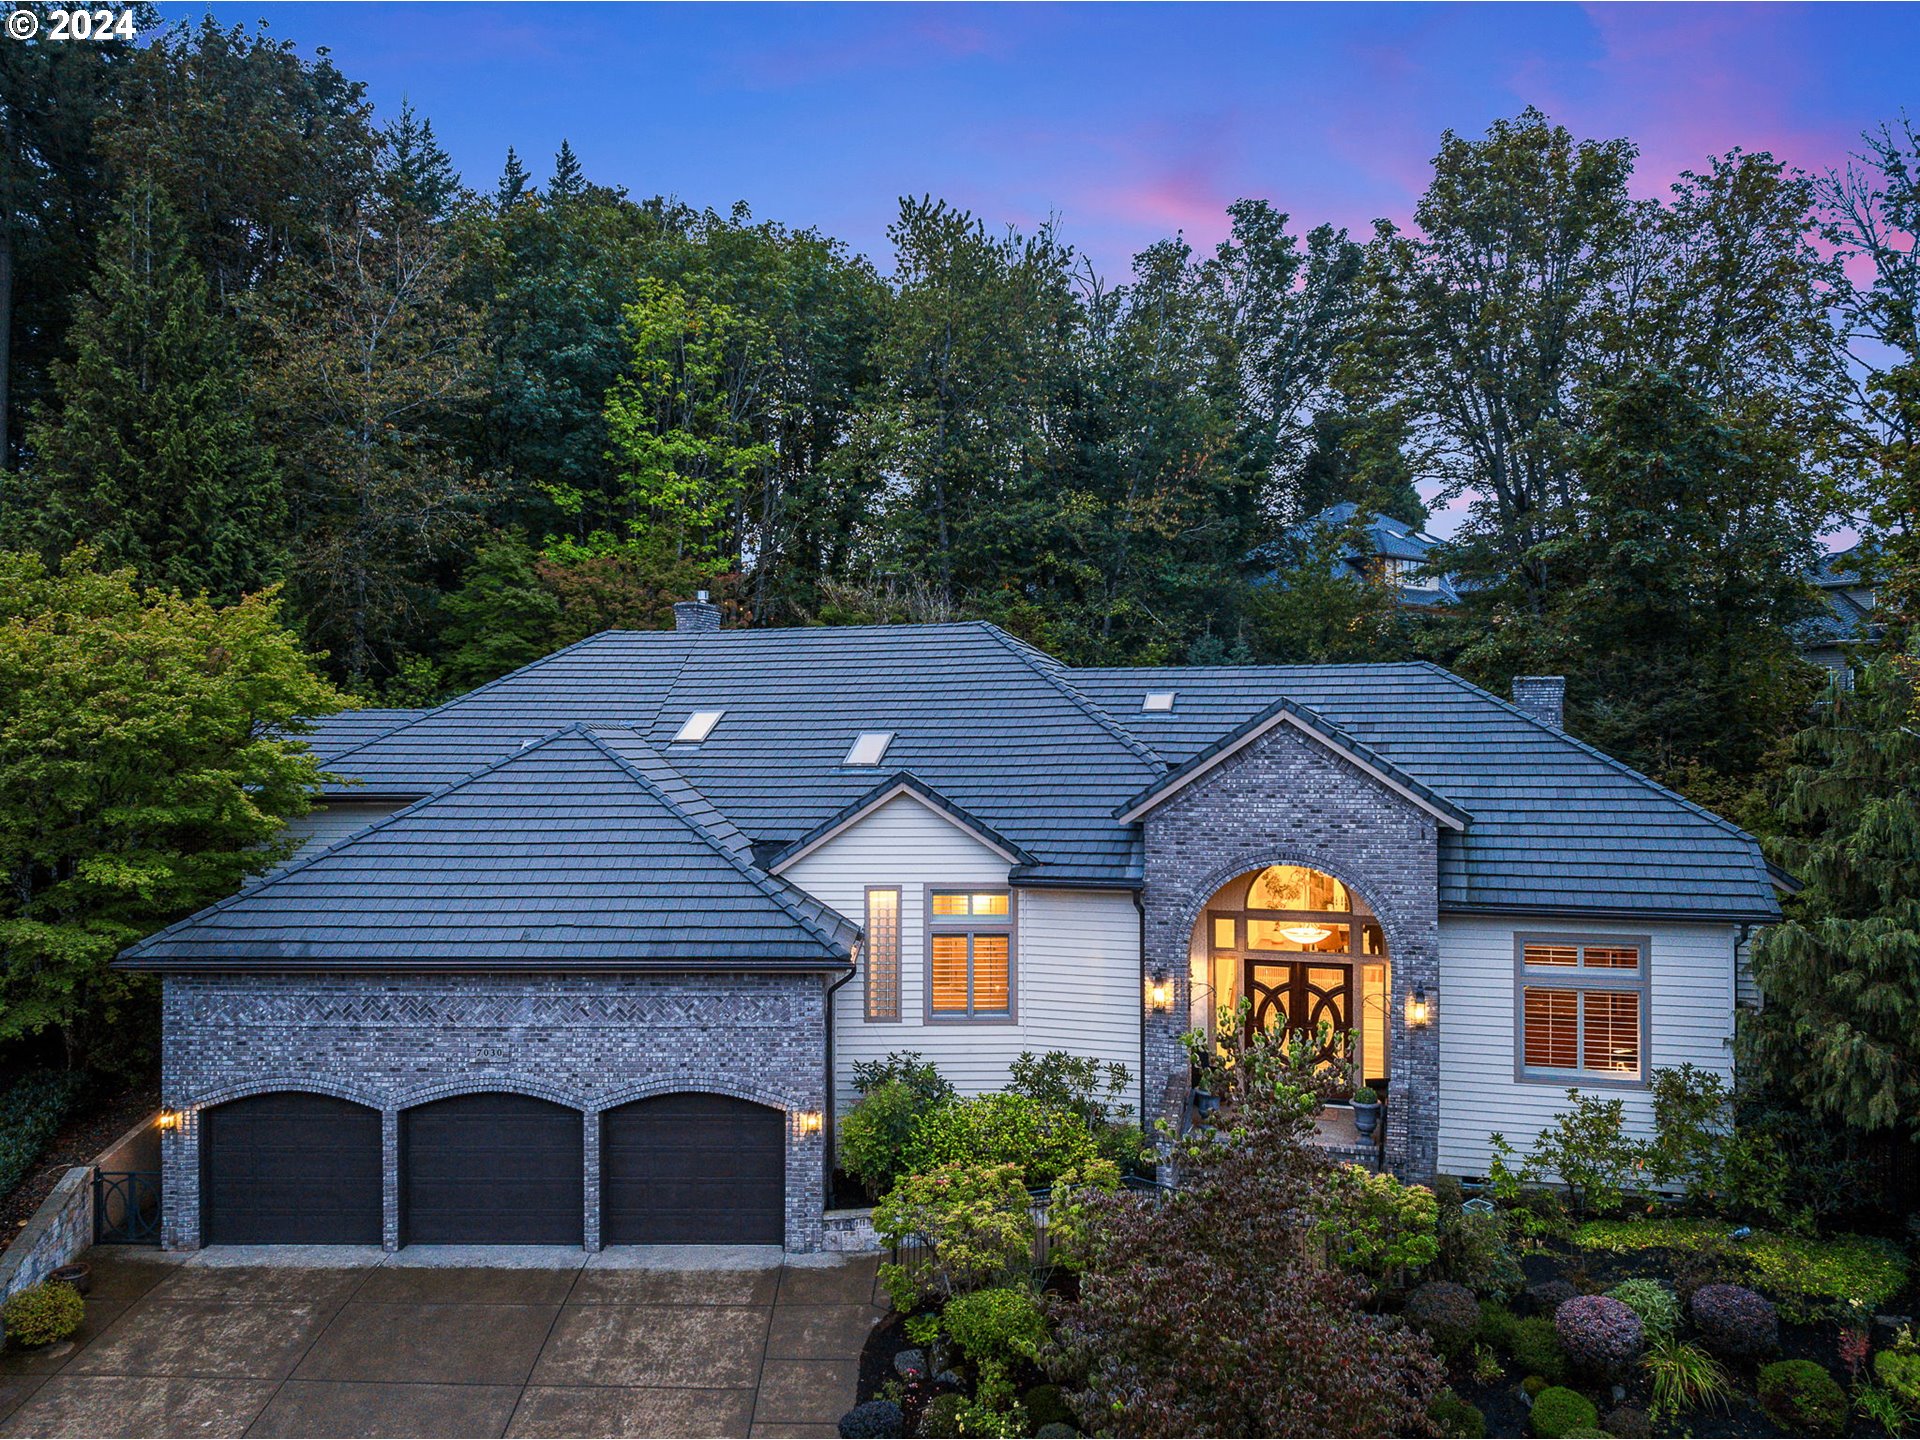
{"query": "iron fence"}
(126, 1207)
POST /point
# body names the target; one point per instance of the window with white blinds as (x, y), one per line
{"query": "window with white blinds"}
(1581, 1008)
(969, 955)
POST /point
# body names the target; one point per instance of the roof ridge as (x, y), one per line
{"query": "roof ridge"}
(1019, 650)
(775, 890)
(296, 865)
(1610, 761)
(432, 710)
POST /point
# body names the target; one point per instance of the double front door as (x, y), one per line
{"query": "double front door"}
(1310, 998)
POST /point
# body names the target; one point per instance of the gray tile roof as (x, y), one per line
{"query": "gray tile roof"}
(1043, 755)
(328, 735)
(582, 851)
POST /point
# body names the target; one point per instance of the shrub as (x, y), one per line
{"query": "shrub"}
(1453, 1416)
(1047, 1406)
(1070, 1231)
(873, 1420)
(1002, 1129)
(995, 1326)
(1802, 1398)
(1558, 1412)
(1139, 1349)
(1588, 1148)
(1735, 1322)
(1899, 1373)
(1600, 1334)
(1474, 1252)
(1496, 1325)
(903, 1067)
(1659, 1312)
(1533, 1385)
(1377, 1225)
(1055, 1430)
(1549, 1295)
(877, 1132)
(977, 1220)
(34, 1107)
(941, 1419)
(1684, 1378)
(1536, 1348)
(1629, 1422)
(1447, 1314)
(43, 1313)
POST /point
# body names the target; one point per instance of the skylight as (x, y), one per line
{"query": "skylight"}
(699, 725)
(868, 748)
(1158, 700)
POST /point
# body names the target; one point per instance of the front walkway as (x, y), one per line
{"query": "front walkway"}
(350, 1342)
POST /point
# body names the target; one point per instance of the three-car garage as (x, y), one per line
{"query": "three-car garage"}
(493, 1168)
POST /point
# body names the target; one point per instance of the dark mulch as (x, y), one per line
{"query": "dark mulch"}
(91, 1128)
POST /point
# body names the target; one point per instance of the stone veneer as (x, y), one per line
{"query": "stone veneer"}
(1285, 799)
(588, 1041)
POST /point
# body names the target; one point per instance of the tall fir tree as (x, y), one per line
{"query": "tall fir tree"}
(569, 182)
(152, 456)
(513, 181)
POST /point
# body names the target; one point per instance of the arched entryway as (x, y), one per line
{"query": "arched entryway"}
(1305, 950)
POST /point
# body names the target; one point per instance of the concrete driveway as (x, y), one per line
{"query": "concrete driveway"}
(318, 1343)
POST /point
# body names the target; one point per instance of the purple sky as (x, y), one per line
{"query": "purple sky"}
(1128, 122)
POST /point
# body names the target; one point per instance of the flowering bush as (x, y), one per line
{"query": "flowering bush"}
(1802, 1398)
(975, 1218)
(1656, 1306)
(1735, 1322)
(1600, 1333)
(1447, 1314)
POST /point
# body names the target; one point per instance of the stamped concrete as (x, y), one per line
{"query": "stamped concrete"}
(313, 1341)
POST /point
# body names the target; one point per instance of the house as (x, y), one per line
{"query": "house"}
(586, 956)
(1845, 617)
(1374, 547)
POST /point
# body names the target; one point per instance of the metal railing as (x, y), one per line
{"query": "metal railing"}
(126, 1207)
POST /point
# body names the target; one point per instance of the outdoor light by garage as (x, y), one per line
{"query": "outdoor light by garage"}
(809, 1122)
(168, 1120)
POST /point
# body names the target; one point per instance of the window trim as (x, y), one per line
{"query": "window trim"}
(931, 925)
(899, 947)
(1580, 980)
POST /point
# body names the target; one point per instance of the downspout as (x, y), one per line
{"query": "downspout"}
(1140, 908)
(826, 1179)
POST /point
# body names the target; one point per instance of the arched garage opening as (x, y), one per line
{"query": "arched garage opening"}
(693, 1169)
(290, 1168)
(492, 1168)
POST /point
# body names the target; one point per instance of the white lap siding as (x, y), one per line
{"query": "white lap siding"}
(1076, 964)
(1691, 970)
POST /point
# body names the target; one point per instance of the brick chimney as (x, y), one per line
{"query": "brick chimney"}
(698, 613)
(1543, 697)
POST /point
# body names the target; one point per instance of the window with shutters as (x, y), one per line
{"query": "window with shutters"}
(969, 954)
(883, 952)
(1581, 1009)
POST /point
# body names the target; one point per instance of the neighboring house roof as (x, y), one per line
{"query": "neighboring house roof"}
(1379, 538)
(581, 851)
(1555, 825)
(1846, 593)
(328, 735)
(1044, 757)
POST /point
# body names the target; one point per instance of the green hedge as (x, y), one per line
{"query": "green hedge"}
(30, 1116)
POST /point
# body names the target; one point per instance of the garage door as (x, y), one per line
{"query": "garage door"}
(693, 1170)
(290, 1169)
(491, 1169)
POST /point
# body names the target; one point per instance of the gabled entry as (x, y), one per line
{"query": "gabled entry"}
(492, 1169)
(693, 1170)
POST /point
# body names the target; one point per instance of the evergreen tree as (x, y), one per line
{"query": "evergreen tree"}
(419, 174)
(501, 617)
(569, 182)
(513, 181)
(153, 456)
(1842, 976)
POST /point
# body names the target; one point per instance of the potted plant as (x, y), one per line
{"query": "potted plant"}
(1366, 1111)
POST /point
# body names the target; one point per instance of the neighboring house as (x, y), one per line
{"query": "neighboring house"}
(607, 936)
(1380, 549)
(1846, 615)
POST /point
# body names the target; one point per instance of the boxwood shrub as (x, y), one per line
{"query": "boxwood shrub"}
(1802, 1398)
(1558, 1412)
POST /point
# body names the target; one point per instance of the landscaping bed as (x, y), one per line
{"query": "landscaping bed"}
(81, 1135)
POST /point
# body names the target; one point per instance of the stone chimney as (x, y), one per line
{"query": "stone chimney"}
(1542, 696)
(699, 613)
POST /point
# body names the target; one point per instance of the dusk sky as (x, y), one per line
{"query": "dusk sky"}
(1128, 122)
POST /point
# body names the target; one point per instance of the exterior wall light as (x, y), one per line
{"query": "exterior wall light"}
(810, 1122)
(1419, 1009)
(169, 1120)
(1160, 993)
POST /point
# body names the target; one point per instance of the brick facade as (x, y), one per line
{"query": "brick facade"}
(1285, 799)
(591, 1042)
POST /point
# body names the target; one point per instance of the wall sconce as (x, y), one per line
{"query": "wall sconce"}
(1160, 993)
(810, 1122)
(169, 1120)
(1419, 1009)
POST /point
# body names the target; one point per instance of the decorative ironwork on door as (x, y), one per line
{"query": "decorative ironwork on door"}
(1308, 999)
